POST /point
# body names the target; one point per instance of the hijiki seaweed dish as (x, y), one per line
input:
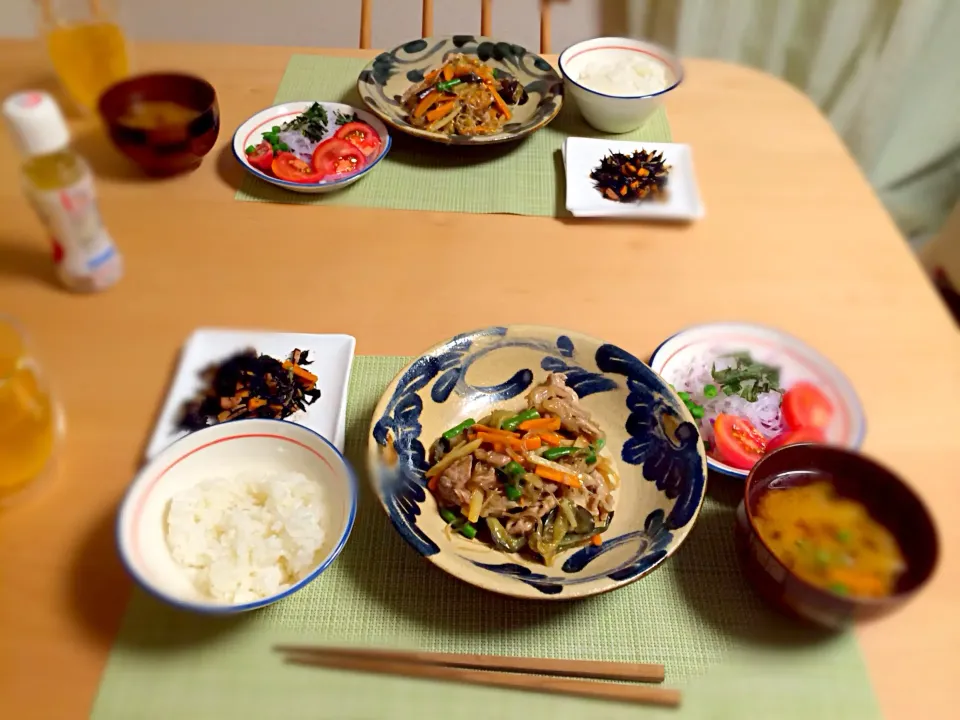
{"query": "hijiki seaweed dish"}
(537, 478)
(251, 385)
(625, 178)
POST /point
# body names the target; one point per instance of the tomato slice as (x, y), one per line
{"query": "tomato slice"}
(261, 157)
(805, 405)
(788, 437)
(739, 443)
(361, 135)
(337, 158)
(288, 166)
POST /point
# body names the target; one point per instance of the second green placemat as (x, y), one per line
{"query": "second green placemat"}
(523, 178)
(732, 656)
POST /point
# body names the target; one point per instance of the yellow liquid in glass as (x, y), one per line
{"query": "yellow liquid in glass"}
(88, 58)
(27, 417)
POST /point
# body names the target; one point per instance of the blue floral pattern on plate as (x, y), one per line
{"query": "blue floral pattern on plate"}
(650, 434)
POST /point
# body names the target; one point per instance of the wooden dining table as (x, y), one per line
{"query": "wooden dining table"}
(793, 237)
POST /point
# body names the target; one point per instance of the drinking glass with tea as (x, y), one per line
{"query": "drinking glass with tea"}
(28, 415)
(85, 44)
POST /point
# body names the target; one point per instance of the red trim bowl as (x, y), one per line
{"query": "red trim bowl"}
(887, 498)
(172, 148)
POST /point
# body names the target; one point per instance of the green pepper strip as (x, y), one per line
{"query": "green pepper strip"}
(511, 423)
(457, 429)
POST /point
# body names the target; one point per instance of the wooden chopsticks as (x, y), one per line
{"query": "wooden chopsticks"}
(498, 671)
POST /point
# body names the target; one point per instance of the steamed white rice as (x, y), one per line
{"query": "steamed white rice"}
(247, 537)
(634, 74)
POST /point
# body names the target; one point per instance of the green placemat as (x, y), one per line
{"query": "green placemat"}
(524, 178)
(732, 656)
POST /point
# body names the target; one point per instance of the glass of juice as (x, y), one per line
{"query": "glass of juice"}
(86, 46)
(28, 415)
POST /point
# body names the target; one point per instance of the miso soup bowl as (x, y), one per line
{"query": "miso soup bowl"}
(171, 149)
(887, 498)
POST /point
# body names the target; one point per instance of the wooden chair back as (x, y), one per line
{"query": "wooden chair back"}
(486, 21)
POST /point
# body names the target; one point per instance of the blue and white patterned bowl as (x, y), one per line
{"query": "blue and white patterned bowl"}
(650, 434)
(390, 74)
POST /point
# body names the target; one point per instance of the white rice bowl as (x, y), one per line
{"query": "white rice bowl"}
(236, 516)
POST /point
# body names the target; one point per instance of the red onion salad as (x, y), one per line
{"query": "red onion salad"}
(764, 413)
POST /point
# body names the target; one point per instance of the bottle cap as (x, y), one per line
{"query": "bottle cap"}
(36, 123)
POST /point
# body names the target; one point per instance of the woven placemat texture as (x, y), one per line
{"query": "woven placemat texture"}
(523, 178)
(733, 657)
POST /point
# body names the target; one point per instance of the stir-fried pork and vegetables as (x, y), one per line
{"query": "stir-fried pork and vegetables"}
(463, 97)
(534, 480)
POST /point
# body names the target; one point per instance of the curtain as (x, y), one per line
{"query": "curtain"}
(885, 72)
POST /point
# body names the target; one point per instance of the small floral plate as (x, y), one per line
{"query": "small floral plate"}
(650, 435)
(383, 82)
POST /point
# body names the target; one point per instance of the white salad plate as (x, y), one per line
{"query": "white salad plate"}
(331, 357)
(251, 132)
(797, 361)
(582, 155)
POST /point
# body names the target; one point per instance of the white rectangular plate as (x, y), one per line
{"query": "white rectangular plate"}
(582, 155)
(331, 356)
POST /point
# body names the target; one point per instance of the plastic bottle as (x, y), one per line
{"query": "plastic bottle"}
(59, 185)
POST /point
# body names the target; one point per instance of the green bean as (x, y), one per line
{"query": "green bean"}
(514, 469)
(457, 429)
(511, 423)
(447, 516)
(558, 452)
(512, 492)
(469, 530)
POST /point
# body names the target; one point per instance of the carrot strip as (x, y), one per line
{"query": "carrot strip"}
(440, 110)
(531, 443)
(432, 484)
(448, 72)
(544, 423)
(499, 447)
(493, 431)
(597, 540)
(498, 101)
(550, 438)
(255, 403)
(426, 103)
(299, 371)
(555, 476)
(431, 77)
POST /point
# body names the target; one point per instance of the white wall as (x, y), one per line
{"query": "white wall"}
(336, 23)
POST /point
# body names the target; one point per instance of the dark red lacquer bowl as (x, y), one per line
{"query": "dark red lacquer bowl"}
(887, 498)
(173, 148)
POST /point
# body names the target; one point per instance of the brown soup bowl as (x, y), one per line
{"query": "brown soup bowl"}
(886, 497)
(175, 147)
